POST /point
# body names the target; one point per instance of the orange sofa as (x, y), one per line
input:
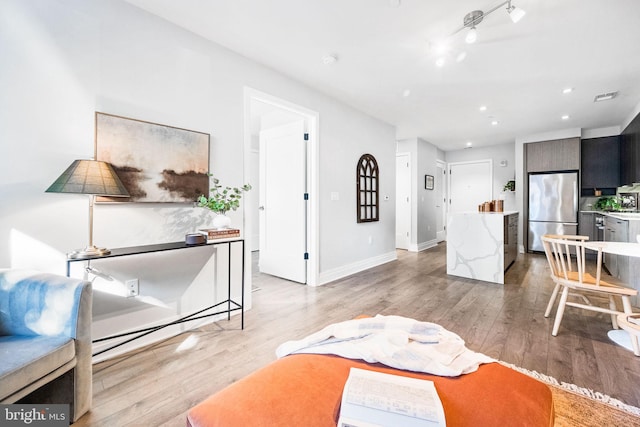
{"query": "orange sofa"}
(306, 390)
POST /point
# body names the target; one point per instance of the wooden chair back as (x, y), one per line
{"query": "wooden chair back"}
(563, 252)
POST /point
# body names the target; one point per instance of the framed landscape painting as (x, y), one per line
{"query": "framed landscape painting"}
(156, 163)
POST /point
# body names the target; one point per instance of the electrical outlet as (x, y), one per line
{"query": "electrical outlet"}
(133, 287)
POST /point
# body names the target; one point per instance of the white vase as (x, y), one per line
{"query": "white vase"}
(221, 221)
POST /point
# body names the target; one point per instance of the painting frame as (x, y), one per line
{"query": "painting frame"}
(156, 163)
(428, 182)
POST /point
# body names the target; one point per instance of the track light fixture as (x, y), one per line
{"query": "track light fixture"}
(471, 20)
(475, 17)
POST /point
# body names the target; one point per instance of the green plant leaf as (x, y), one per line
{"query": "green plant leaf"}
(221, 200)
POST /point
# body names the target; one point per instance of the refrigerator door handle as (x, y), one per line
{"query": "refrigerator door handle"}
(569, 223)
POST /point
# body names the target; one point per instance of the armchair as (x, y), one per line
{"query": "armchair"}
(45, 340)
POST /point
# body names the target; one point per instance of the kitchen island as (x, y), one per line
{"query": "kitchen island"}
(481, 245)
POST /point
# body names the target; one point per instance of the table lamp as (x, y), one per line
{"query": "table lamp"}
(94, 178)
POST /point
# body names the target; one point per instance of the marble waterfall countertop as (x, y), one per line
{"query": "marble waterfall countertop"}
(475, 245)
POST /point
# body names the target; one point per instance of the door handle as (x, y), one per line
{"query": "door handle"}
(261, 208)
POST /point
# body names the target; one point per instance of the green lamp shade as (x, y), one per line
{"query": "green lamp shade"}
(89, 177)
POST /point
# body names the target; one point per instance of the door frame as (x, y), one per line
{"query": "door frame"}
(444, 180)
(312, 118)
(406, 154)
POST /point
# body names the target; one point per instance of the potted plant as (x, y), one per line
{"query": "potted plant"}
(510, 186)
(221, 200)
(607, 203)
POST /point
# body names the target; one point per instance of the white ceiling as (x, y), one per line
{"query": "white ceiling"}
(517, 70)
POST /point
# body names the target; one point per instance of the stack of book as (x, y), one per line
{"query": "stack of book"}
(224, 233)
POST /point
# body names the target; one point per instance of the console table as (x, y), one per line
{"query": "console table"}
(219, 307)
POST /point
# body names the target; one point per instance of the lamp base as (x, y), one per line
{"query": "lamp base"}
(88, 252)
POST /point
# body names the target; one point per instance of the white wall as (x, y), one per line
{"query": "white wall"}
(65, 59)
(501, 174)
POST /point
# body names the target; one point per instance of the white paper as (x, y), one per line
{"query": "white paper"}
(376, 399)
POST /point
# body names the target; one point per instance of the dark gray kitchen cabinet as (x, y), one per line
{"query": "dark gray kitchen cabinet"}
(600, 165)
(556, 155)
(630, 153)
(586, 226)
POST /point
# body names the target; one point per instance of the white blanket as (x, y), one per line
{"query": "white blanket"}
(394, 341)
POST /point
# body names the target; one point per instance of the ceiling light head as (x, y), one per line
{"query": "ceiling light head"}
(406, 93)
(605, 96)
(567, 90)
(515, 13)
(471, 36)
(566, 117)
(440, 62)
(483, 108)
(494, 123)
(469, 144)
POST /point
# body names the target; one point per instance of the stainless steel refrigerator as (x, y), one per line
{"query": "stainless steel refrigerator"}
(553, 206)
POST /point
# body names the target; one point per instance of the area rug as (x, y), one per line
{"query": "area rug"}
(579, 407)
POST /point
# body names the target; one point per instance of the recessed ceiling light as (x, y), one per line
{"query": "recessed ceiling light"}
(567, 90)
(566, 117)
(329, 59)
(406, 93)
(494, 123)
(483, 108)
(605, 96)
(469, 144)
(440, 62)
(461, 56)
(394, 3)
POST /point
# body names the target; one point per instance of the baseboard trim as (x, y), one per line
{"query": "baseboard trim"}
(356, 267)
(423, 246)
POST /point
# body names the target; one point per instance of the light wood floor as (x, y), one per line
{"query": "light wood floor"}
(158, 385)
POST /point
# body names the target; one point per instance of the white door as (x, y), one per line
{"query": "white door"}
(282, 204)
(470, 184)
(403, 200)
(441, 201)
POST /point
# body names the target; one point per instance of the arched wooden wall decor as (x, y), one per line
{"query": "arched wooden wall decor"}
(367, 178)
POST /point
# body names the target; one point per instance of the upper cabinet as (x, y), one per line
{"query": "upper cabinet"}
(630, 153)
(600, 165)
(556, 155)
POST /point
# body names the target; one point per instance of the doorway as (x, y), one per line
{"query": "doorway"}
(470, 184)
(441, 200)
(403, 200)
(268, 133)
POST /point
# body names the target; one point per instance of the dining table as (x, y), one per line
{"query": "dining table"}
(621, 337)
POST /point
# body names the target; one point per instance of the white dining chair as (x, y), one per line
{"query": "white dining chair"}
(567, 261)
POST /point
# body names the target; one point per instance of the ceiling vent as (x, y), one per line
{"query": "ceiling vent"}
(605, 96)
